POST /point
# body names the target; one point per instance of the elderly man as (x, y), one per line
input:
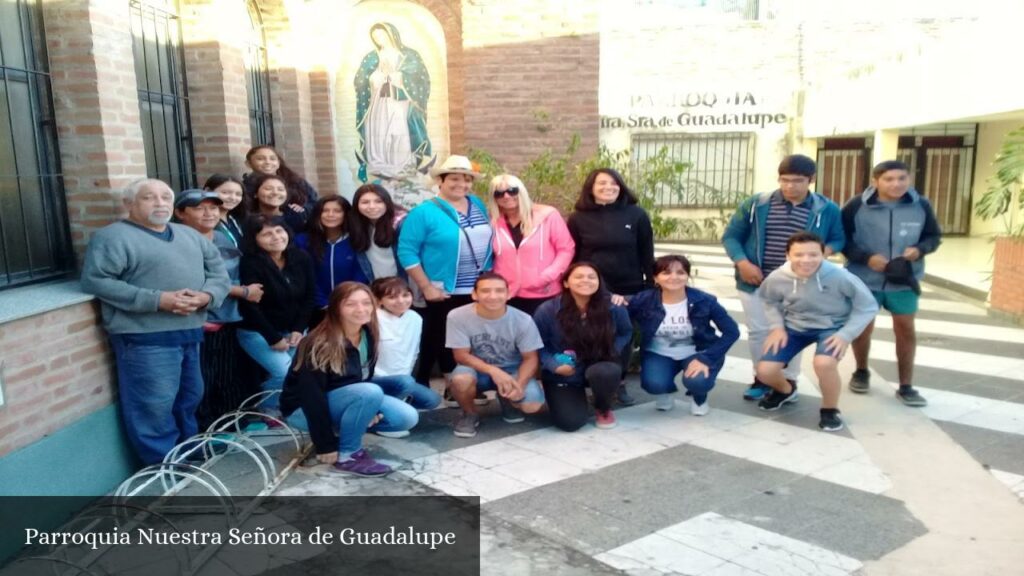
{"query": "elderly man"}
(155, 281)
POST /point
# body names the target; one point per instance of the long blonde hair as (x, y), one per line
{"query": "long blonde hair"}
(525, 204)
(324, 347)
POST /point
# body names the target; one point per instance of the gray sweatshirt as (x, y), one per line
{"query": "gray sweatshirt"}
(127, 268)
(832, 298)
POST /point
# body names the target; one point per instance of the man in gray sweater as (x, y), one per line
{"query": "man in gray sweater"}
(155, 281)
(811, 301)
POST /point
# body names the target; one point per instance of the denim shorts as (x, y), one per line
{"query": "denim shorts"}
(797, 341)
(534, 393)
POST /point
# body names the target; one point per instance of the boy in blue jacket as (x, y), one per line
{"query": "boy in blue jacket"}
(889, 228)
(755, 240)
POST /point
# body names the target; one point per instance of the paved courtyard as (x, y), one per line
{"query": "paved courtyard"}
(901, 491)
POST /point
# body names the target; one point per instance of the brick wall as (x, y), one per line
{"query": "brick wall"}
(530, 78)
(218, 99)
(322, 112)
(1008, 277)
(97, 111)
(57, 368)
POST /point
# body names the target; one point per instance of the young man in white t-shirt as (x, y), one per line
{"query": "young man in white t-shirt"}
(495, 347)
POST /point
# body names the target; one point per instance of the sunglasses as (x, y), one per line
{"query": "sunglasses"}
(513, 192)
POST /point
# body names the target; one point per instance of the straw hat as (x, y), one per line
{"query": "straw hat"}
(455, 165)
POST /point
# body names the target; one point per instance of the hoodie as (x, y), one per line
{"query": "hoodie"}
(534, 268)
(831, 298)
(619, 240)
(888, 228)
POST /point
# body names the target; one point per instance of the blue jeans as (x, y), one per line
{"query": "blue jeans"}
(276, 363)
(160, 388)
(353, 407)
(404, 386)
(657, 375)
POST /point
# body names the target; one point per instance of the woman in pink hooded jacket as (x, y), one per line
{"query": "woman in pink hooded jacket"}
(532, 245)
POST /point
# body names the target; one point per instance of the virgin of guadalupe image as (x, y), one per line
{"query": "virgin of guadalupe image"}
(392, 88)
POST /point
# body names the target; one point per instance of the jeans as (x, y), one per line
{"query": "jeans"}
(757, 331)
(353, 407)
(797, 341)
(276, 363)
(658, 374)
(160, 388)
(404, 386)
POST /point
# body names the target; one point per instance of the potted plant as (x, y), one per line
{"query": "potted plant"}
(1004, 200)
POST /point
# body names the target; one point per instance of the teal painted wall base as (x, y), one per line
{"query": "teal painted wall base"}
(88, 458)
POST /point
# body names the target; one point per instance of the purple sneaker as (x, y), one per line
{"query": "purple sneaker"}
(361, 464)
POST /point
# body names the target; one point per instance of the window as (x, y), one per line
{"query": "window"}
(261, 121)
(34, 239)
(163, 92)
(720, 172)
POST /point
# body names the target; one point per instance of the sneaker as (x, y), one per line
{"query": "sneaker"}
(860, 382)
(776, 399)
(481, 399)
(604, 419)
(699, 409)
(757, 390)
(910, 396)
(830, 420)
(395, 434)
(361, 464)
(510, 413)
(664, 402)
(449, 400)
(623, 396)
(466, 425)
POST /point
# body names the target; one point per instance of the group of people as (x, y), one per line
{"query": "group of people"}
(347, 307)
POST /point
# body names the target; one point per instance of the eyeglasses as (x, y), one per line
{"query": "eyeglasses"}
(513, 192)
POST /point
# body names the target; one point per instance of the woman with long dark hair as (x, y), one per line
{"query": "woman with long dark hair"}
(271, 198)
(272, 328)
(234, 210)
(327, 241)
(266, 161)
(373, 230)
(328, 389)
(584, 334)
(614, 233)
(678, 335)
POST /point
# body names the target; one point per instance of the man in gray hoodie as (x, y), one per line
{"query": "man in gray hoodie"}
(811, 301)
(889, 228)
(155, 281)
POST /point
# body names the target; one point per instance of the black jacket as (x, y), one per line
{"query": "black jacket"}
(619, 240)
(287, 294)
(307, 388)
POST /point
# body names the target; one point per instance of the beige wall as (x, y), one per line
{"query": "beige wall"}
(990, 138)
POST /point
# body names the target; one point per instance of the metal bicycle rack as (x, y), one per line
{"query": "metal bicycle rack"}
(189, 465)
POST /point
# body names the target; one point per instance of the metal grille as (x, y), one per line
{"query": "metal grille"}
(163, 92)
(944, 175)
(261, 121)
(720, 172)
(844, 167)
(34, 239)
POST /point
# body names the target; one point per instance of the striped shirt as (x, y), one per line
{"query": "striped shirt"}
(476, 225)
(784, 220)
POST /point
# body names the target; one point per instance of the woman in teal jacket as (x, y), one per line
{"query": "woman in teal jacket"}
(444, 245)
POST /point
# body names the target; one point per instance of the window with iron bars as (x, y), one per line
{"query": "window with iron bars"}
(34, 239)
(163, 92)
(261, 120)
(720, 169)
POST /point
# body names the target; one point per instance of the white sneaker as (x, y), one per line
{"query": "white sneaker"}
(699, 409)
(664, 402)
(395, 434)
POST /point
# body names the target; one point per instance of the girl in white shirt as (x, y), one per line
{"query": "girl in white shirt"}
(400, 332)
